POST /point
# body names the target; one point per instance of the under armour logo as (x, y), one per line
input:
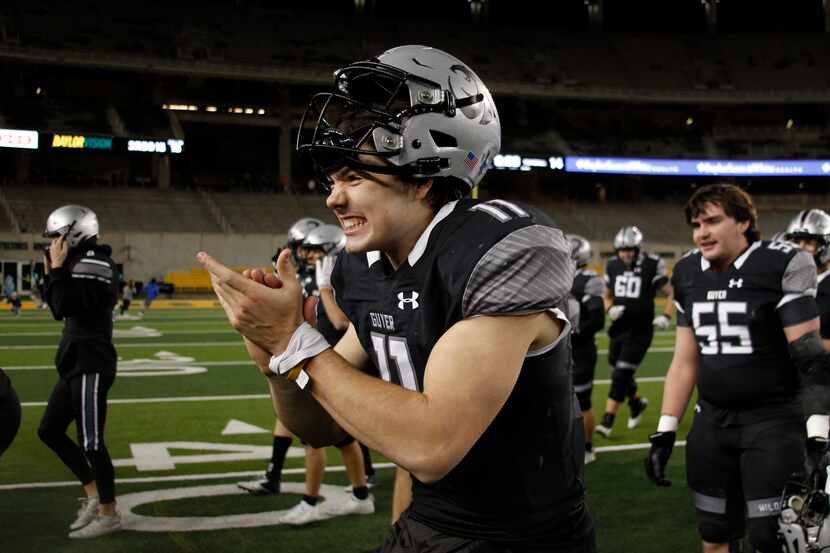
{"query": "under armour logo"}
(404, 301)
(736, 283)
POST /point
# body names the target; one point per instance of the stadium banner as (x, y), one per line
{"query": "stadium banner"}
(17, 138)
(698, 167)
(119, 144)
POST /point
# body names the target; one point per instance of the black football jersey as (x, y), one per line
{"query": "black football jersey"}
(480, 258)
(588, 289)
(738, 317)
(635, 287)
(307, 281)
(823, 303)
(83, 293)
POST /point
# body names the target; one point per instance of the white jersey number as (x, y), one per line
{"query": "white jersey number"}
(721, 337)
(627, 286)
(394, 348)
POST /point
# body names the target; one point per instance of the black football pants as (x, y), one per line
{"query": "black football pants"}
(82, 398)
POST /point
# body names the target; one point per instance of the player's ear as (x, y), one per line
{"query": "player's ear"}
(743, 226)
(422, 188)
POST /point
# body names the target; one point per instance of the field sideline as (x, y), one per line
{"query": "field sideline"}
(189, 416)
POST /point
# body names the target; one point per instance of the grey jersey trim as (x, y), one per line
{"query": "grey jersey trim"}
(594, 286)
(528, 270)
(661, 271)
(822, 276)
(97, 269)
(799, 278)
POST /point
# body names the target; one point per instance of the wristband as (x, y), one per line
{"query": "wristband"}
(305, 343)
(818, 426)
(668, 423)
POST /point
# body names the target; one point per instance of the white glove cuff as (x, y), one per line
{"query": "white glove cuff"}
(668, 423)
(305, 343)
(818, 426)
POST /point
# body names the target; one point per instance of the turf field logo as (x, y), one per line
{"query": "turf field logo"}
(136, 332)
(411, 302)
(164, 363)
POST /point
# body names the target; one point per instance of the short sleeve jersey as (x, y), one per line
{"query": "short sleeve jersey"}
(823, 302)
(587, 285)
(479, 258)
(635, 287)
(738, 317)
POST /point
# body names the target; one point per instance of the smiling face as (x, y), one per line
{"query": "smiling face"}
(379, 212)
(626, 255)
(719, 237)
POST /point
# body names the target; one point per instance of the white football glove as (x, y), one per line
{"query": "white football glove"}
(616, 312)
(322, 271)
(661, 322)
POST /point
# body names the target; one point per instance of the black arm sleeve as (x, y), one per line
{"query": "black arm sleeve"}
(813, 363)
(592, 316)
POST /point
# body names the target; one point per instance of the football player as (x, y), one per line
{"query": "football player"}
(82, 291)
(632, 278)
(269, 484)
(747, 325)
(319, 250)
(456, 303)
(9, 412)
(588, 290)
(810, 230)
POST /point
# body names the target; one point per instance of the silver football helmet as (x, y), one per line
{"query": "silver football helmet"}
(300, 230)
(414, 111)
(329, 238)
(74, 222)
(628, 238)
(803, 525)
(581, 251)
(812, 224)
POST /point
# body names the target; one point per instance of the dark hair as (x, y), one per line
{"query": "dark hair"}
(444, 190)
(736, 203)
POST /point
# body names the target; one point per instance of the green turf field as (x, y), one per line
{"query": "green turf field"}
(183, 377)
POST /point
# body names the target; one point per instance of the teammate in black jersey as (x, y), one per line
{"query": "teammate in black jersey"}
(82, 291)
(588, 290)
(320, 248)
(746, 326)
(810, 230)
(456, 303)
(269, 484)
(632, 280)
(9, 412)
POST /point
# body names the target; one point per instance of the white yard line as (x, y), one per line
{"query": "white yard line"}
(165, 332)
(251, 473)
(129, 401)
(149, 363)
(144, 345)
(181, 478)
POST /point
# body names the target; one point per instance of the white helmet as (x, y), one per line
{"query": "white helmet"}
(75, 222)
(329, 238)
(580, 249)
(628, 238)
(419, 109)
(812, 224)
